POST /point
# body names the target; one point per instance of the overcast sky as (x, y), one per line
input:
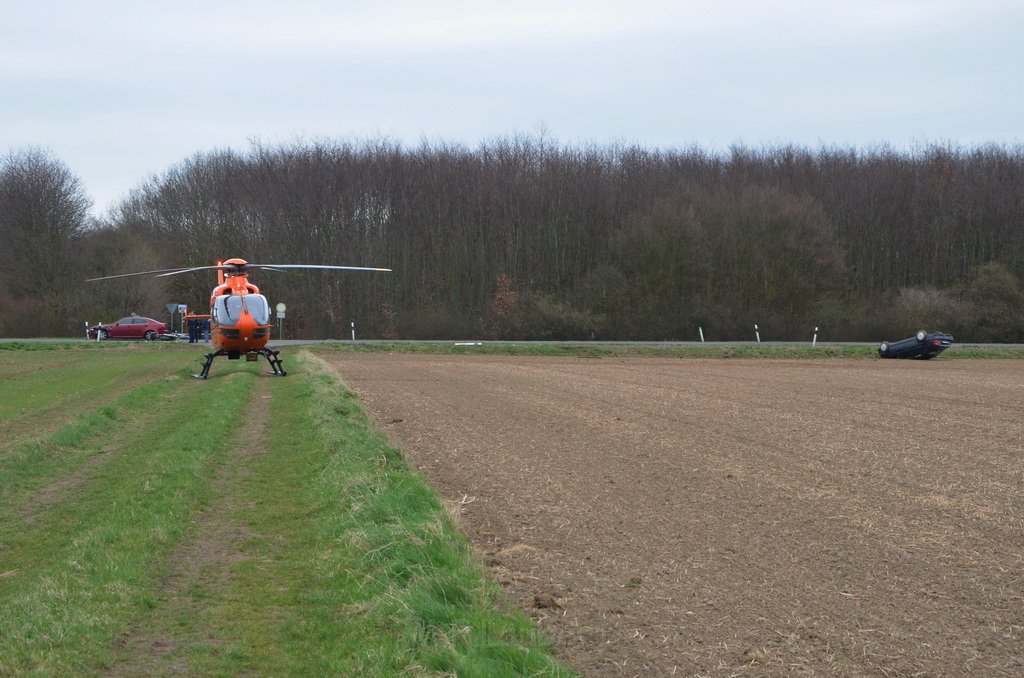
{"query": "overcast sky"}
(121, 91)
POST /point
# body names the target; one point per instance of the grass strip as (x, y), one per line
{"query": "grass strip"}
(43, 391)
(60, 345)
(70, 344)
(354, 566)
(25, 467)
(38, 383)
(71, 583)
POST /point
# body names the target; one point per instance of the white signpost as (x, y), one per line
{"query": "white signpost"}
(280, 308)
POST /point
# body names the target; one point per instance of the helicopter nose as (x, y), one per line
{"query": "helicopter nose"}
(246, 326)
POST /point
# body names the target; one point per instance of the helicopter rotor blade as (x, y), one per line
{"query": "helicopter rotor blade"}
(199, 268)
(237, 268)
(318, 266)
(162, 271)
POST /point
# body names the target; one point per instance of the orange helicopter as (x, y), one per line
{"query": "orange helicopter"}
(239, 314)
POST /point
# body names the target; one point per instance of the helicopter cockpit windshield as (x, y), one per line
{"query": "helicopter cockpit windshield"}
(228, 309)
(258, 306)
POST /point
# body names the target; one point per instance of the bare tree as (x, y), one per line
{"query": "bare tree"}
(43, 214)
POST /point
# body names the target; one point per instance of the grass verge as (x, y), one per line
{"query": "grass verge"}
(74, 578)
(40, 392)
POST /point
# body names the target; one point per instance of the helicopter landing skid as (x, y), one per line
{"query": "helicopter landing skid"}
(270, 354)
(275, 362)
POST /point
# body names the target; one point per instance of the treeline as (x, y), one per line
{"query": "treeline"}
(526, 238)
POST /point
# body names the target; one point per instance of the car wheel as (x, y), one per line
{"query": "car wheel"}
(884, 346)
(101, 335)
(921, 335)
(150, 335)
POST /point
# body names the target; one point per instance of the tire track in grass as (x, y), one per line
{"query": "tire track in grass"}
(44, 365)
(34, 405)
(200, 566)
(124, 462)
(77, 577)
(36, 475)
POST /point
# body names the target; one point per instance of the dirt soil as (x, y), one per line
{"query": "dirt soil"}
(732, 517)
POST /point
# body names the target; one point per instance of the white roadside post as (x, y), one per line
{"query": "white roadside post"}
(701, 330)
(86, 329)
(814, 341)
(353, 330)
(757, 333)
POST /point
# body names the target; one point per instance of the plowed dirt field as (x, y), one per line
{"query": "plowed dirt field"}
(731, 517)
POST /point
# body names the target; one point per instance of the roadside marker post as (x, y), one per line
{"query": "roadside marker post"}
(814, 341)
(281, 308)
(701, 330)
(353, 330)
(757, 333)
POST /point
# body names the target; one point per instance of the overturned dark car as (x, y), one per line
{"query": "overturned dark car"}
(922, 346)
